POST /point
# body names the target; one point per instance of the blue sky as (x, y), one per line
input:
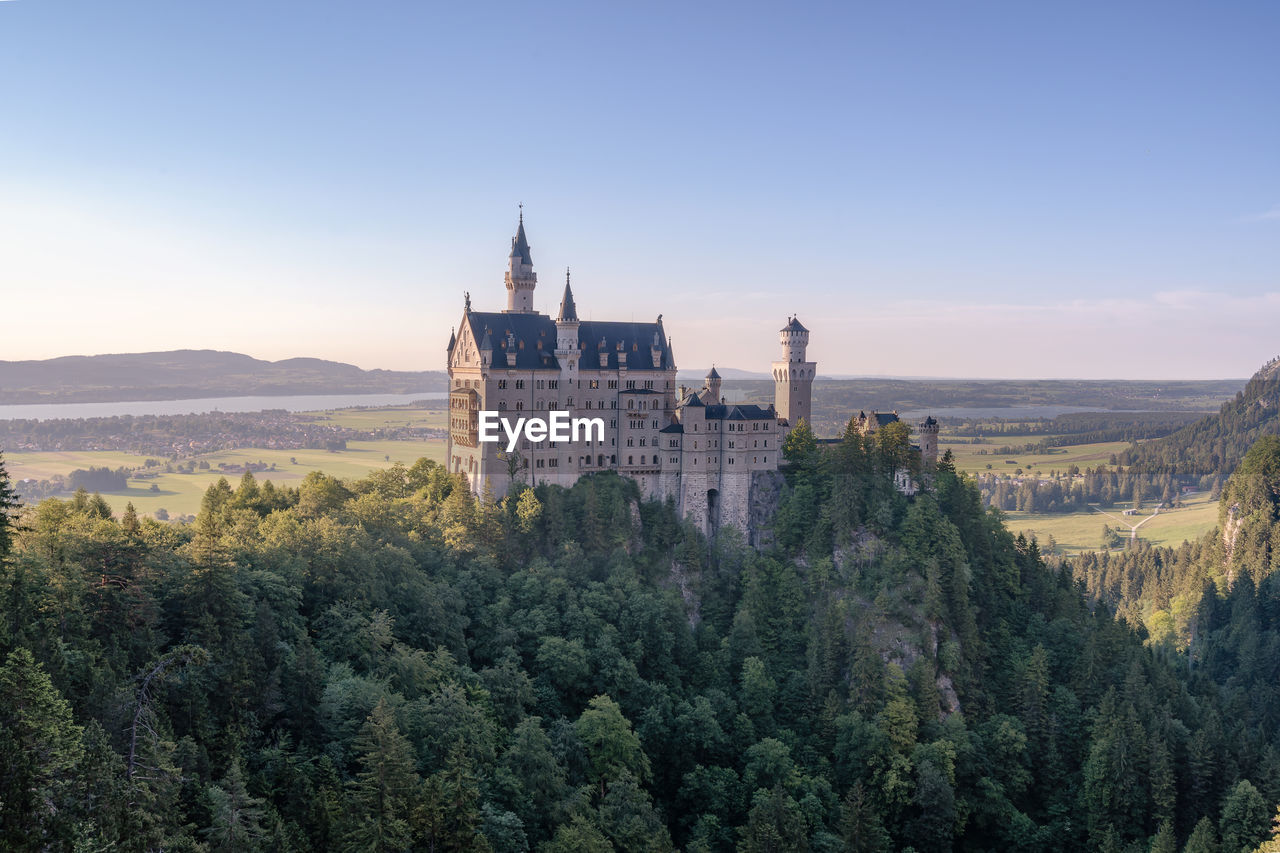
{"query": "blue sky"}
(985, 189)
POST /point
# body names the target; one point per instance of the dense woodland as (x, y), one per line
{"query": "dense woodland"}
(392, 664)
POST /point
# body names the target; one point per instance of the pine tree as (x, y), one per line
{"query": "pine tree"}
(383, 791)
(236, 818)
(40, 748)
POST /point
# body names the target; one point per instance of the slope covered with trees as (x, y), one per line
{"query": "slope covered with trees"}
(1207, 451)
(392, 664)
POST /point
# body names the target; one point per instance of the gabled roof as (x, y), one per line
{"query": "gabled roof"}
(594, 338)
(672, 427)
(740, 412)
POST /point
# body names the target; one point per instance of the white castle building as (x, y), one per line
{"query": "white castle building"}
(711, 456)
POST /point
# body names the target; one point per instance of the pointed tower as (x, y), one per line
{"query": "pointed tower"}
(567, 349)
(713, 386)
(520, 277)
(793, 376)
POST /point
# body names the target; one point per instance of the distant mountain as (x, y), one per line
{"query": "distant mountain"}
(1210, 448)
(188, 374)
(698, 374)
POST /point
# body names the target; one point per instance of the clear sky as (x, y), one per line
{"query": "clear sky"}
(946, 189)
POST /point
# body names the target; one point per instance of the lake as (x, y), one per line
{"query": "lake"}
(1010, 412)
(297, 403)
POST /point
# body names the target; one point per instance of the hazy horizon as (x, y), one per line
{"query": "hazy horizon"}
(1082, 192)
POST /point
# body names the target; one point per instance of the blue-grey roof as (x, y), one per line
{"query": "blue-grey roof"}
(594, 337)
(568, 311)
(793, 326)
(520, 244)
(711, 374)
(740, 412)
(672, 427)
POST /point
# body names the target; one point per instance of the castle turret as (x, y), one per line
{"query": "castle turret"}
(520, 277)
(929, 442)
(793, 376)
(567, 351)
(713, 385)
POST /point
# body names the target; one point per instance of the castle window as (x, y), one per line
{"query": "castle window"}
(541, 384)
(613, 404)
(631, 383)
(519, 405)
(675, 460)
(674, 443)
(502, 405)
(588, 405)
(502, 384)
(655, 424)
(569, 402)
(754, 460)
(642, 442)
(540, 405)
(553, 384)
(554, 463)
(648, 383)
(519, 384)
(730, 460)
(731, 445)
(538, 464)
(755, 444)
(613, 460)
(600, 459)
(613, 423)
(594, 383)
(766, 460)
(655, 404)
(766, 442)
(631, 404)
(630, 460)
(613, 384)
(631, 442)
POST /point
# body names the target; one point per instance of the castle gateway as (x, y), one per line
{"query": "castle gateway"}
(711, 456)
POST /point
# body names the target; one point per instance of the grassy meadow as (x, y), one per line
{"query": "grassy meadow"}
(181, 493)
(1082, 531)
(982, 458)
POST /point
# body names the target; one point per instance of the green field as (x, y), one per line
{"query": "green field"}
(385, 417)
(1082, 531)
(974, 458)
(181, 493)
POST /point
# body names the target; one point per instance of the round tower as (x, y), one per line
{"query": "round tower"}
(713, 384)
(793, 376)
(929, 441)
(520, 277)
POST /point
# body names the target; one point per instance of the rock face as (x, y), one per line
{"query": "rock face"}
(764, 496)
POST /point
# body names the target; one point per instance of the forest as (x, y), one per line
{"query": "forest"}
(391, 664)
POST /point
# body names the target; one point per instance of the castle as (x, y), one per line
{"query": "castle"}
(715, 459)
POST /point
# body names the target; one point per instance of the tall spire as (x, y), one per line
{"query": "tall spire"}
(568, 311)
(520, 277)
(520, 243)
